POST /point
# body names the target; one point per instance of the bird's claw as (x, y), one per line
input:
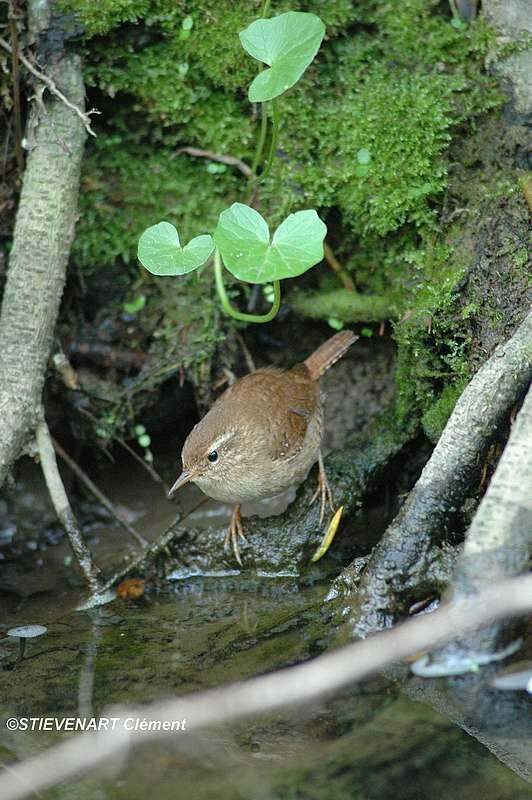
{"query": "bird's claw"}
(234, 533)
(323, 490)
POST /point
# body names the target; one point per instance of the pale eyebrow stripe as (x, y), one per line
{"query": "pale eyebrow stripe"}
(221, 440)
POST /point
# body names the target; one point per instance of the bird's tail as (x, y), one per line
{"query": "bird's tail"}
(329, 352)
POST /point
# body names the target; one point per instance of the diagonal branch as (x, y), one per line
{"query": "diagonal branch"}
(401, 560)
(498, 545)
(231, 161)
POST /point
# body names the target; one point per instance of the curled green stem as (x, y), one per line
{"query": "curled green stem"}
(226, 304)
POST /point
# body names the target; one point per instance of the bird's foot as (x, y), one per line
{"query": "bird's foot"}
(323, 490)
(234, 533)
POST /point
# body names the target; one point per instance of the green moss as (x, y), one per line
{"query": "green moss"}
(397, 91)
(342, 305)
(127, 185)
(435, 418)
(101, 17)
(521, 258)
(432, 352)
(395, 79)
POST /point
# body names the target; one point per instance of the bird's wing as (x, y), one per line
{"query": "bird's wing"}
(283, 402)
(297, 403)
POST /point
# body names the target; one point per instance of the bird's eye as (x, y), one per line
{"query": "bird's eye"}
(213, 456)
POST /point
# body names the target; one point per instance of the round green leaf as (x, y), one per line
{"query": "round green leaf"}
(161, 253)
(243, 238)
(287, 43)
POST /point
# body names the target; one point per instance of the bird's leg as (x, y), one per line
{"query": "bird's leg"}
(235, 532)
(323, 490)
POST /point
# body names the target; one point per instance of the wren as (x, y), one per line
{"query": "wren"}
(262, 435)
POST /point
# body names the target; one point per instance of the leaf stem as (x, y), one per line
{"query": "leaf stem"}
(226, 304)
(273, 143)
(260, 141)
(264, 115)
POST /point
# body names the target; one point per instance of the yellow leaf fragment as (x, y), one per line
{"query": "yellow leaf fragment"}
(329, 535)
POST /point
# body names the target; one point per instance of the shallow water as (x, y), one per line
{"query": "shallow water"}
(373, 742)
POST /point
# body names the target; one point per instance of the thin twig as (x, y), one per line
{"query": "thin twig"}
(247, 355)
(16, 86)
(99, 495)
(152, 472)
(335, 265)
(303, 683)
(231, 161)
(63, 509)
(84, 116)
(156, 547)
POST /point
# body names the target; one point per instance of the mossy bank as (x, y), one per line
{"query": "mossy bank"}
(378, 136)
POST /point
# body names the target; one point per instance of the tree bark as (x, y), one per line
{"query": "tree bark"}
(400, 563)
(498, 546)
(43, 234)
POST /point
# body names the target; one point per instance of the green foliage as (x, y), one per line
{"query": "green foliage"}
(366, 132)
(287, 44)
(395, 91)
(395, 96)
(243, 238)
(161, 253)
(127, 186)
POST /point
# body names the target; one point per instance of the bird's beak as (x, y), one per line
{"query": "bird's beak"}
(186, 476)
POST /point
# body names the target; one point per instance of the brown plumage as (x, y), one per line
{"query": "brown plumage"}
(262, 435)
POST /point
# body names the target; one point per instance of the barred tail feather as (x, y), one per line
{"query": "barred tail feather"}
(329, 352)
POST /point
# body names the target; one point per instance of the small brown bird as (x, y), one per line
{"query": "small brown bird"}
(262, 436)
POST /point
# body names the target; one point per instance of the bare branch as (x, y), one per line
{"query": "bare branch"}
(498, 545)
(231, 161)
(144, 464)
(343, 276)
(405, 553)
(84, 116)
(156, 547)
(99, 495)
(62, 507)
(322, 676)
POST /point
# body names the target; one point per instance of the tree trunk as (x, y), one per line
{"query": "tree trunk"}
(43, 234)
